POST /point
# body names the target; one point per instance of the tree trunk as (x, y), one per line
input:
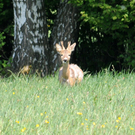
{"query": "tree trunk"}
(65, 29)
(30, 36)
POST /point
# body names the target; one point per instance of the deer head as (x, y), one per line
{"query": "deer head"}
(65, 53)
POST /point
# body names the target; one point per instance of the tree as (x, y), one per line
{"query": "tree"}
(65, 29)
(31, 46)
(30, 36)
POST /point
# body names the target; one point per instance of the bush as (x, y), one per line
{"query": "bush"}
(6, 32)
(2, 43)
(107, 33)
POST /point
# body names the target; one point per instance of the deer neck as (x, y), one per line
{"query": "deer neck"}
(66, 71)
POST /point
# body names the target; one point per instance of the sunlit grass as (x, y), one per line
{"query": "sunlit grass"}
(104, 104)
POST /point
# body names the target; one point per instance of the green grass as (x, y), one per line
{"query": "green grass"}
(104, 104)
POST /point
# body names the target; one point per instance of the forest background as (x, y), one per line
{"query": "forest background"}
(105, 35)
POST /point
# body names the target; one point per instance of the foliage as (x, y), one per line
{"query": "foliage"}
(6, 32)
(2, 43)
(107, 31)
(103, 104)
(51, 12)
(6, 14)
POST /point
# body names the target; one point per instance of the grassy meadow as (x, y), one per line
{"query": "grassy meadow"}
(104, 104)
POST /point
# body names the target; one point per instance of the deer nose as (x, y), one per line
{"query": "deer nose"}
(64, 61)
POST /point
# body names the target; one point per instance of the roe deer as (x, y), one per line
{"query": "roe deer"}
(25, 69)
(68, 73)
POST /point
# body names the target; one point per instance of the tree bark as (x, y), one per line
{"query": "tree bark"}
(65, 29)
(30, 36)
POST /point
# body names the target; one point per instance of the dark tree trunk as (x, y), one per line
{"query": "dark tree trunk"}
(65, 29)
(30, 36)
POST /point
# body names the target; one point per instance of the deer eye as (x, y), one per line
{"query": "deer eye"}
(61, 55)
(69, 55)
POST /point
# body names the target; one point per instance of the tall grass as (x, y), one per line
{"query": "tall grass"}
(104, 104)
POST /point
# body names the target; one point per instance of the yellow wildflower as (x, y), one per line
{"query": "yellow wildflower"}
(82, 123)
(86, 119)
(22, 130)
(37, 96)
(117, 121)
(46, 121)
(13, 93)
(119, 118)
(103, 126)
(132, 128)
(37, 125)
(83, 102)
(116, 126)
(94, 123)
(66, 98)
(79, 113)
(17, 121)
(41, 114)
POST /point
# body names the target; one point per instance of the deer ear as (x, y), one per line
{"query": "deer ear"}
(58, 48)
(72, 47)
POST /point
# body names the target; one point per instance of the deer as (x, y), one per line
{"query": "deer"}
(69, 74)
(25, 69)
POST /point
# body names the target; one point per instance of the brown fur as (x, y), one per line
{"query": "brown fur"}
(68, 73)
(25, 69)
